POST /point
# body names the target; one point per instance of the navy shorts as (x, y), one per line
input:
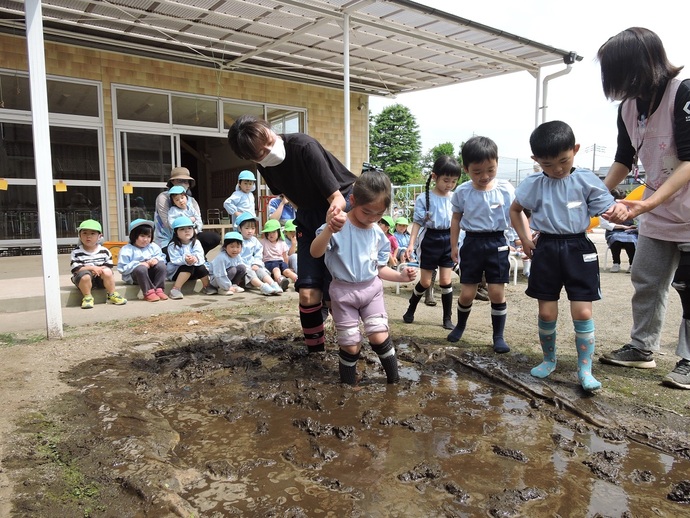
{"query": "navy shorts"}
(484, 254)
(434, 249)
(567, 260)
(282, 265)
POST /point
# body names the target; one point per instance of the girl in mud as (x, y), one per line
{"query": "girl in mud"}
(356, 254)
(431, 225)
(187, 259)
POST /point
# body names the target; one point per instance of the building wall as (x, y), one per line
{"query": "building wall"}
(324, 106)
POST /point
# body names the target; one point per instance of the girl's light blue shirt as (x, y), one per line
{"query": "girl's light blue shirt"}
(176, 254)
(252, 252)
(219, 269)
(131, 256)
(355, 254)
(439, 212)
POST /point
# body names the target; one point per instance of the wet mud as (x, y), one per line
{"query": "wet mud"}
(236, 426)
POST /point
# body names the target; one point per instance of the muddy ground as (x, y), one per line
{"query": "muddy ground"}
(65, 449)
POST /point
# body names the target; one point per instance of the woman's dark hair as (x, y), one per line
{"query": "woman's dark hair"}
(371, 186)
(138, 231)
(478, 149)
(443, 166)
(247, 137)
(634, 65)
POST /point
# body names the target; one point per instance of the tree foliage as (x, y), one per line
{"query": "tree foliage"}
(395, 143)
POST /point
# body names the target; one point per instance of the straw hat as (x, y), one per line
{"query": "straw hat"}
(181, 173)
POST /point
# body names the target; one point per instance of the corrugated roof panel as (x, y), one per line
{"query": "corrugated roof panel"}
(417, 46)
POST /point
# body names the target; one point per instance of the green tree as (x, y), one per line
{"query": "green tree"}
(395, 144)
(438, 150)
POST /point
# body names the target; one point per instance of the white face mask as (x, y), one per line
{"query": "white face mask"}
(276, 155)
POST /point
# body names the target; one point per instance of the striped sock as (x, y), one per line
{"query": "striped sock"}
(312, 326)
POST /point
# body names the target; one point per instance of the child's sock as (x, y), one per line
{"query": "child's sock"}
(348, 367)
(498, 322)
(459, 329)
(312, 326)
(584, 340)
(389, 362)
(547, 339)
(417, 293)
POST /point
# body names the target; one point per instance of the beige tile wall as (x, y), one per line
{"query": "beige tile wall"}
(324, 105)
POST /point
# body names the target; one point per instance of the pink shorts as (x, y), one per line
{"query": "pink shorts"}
(351, 301)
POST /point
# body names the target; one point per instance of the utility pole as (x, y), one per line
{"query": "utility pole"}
(594, 148)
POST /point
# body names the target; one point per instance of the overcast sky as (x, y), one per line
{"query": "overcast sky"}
(503, 108)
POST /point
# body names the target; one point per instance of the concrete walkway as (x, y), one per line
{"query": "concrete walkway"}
(22, 297)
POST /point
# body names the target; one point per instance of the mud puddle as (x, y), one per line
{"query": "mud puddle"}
(253, 427)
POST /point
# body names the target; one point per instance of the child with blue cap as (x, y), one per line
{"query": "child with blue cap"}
(227, 268)
(242, 200)
(142, 262)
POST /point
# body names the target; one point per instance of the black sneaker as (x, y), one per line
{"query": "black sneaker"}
(679, 377)
(629, 356)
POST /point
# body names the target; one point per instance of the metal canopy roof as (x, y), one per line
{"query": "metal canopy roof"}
(395, 45)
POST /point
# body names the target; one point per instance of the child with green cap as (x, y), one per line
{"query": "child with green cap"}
(386, 224)
(290, 234)
(91, 265)
(276, 253)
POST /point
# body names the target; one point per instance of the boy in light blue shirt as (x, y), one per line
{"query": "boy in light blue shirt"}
(562, 200)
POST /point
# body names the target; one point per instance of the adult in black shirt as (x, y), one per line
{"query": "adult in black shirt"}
(299, 167)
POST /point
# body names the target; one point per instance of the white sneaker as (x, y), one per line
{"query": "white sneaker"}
(237, 289)
(221, 291)
(266, 289)
(615, 268)
(277, 290)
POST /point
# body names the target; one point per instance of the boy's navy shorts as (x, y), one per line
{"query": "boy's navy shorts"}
(568, 260)
(282, 265)
(96, 280)
(434, 249)
(484, 253)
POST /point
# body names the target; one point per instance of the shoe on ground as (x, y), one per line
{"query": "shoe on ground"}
(151, 296)
(266, 289)
(209, 290)
(161, 294)
(629, 356)
(447, 324)
(237, 289)
(679, 377)
(277, 290)
(87, 302)
(284, 283)
(482, 294)
(221, 291)
(176, 294)
(429, 300)
(615, 268)
(116, 298)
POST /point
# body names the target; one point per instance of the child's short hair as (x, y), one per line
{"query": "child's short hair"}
(232, 237)
(477, 150)
(140, 227)
(550, 139)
